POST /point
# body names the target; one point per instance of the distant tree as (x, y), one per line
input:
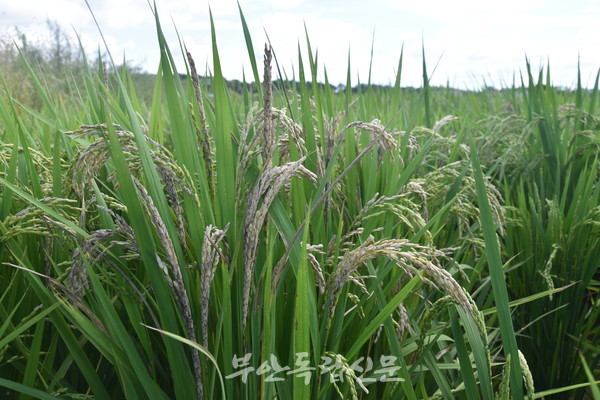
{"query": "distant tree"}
(57, 54)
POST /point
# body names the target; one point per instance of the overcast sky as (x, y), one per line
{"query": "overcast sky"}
(468, 40)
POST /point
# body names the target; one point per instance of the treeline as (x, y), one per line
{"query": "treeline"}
(57, 53)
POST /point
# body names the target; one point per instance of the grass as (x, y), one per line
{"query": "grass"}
(201, 242)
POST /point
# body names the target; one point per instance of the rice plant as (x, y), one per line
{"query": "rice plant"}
(285, 241)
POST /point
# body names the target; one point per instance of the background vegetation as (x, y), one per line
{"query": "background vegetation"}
(457, 232)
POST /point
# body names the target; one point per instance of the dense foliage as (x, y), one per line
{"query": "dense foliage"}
(201, 238)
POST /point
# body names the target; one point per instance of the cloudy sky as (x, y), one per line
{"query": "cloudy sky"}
(468, 41)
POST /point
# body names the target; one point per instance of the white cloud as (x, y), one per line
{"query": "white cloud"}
(476, 38)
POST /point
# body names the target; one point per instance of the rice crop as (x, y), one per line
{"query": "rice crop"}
(281, 240)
